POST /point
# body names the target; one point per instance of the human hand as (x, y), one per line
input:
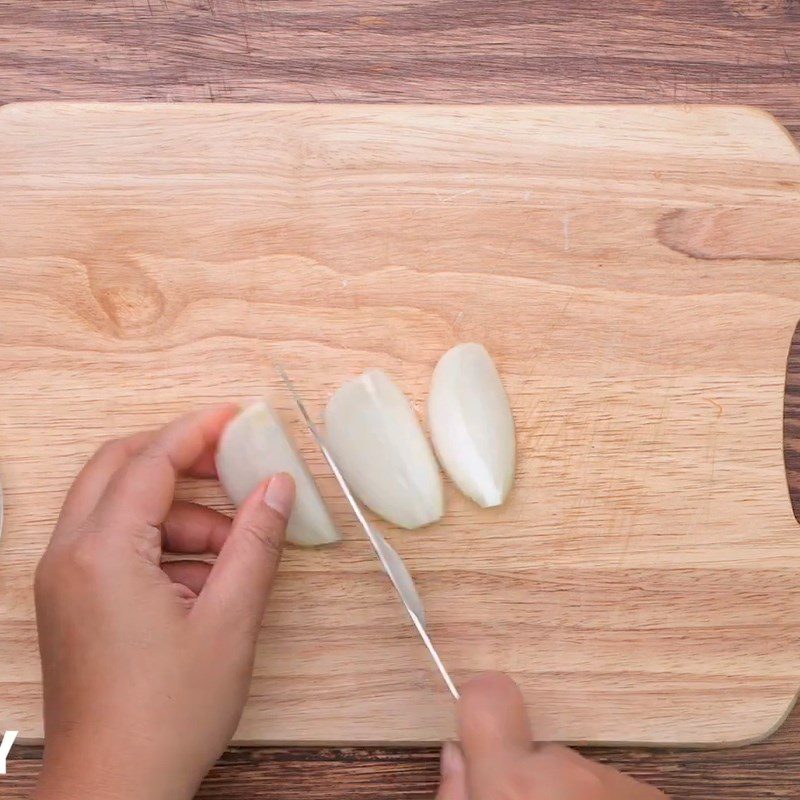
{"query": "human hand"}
(146, 667)
(497, 759)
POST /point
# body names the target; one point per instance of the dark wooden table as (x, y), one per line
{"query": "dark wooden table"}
(662, 51)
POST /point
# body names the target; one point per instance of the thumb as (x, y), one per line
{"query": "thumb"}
(241, 579)
(494, 729)
(492, 718)
(454, 774)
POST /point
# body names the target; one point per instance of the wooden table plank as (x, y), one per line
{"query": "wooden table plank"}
(728, 51)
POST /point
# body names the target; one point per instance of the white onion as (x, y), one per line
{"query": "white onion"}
(471, 424)
(379, 446)
(254, 446)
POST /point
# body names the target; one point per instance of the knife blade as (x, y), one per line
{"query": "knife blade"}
(390, 559)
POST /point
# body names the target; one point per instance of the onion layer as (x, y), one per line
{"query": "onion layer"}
(254, 446)
(471, 424)
(378, 443)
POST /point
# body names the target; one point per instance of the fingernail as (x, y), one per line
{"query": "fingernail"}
(452, 762)
(279, 495)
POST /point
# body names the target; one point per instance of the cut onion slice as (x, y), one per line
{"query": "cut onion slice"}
(254, 446)
(379, 446)
(400, 576)
(471, 424)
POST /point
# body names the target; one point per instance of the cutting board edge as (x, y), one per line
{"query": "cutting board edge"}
(742, 109)
(770, 124)
(717, 743)
(699, 745)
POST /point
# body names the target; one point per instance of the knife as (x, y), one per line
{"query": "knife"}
(390, 559)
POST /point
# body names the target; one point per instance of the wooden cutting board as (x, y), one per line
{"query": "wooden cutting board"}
(634, 270)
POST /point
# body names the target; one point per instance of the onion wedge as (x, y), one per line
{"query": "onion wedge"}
(379, 446)
(254, 446)
(471, 424)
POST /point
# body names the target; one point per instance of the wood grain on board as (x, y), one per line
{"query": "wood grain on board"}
(641, 582)
(734, 51)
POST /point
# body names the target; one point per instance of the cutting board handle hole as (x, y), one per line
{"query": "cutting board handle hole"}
(791, 418)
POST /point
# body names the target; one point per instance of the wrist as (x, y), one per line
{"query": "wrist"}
(86, 771)
(60, 784)
(56, 785)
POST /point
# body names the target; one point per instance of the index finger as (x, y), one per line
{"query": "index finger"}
(143, 489)
(91, 481)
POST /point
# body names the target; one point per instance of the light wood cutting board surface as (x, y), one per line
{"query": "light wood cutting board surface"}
(634, 270)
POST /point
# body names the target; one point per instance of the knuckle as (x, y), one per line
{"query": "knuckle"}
(150, 457)
(109, 447)
(273, 548)
(82, 557)
(264, 529)
(41, 576)
(122, 446)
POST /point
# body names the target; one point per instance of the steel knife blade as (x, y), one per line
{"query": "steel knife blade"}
(390, 559)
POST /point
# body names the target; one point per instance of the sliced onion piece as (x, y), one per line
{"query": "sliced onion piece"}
(471, 424)
(254, 446)
(378, 444)
(401, 577)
